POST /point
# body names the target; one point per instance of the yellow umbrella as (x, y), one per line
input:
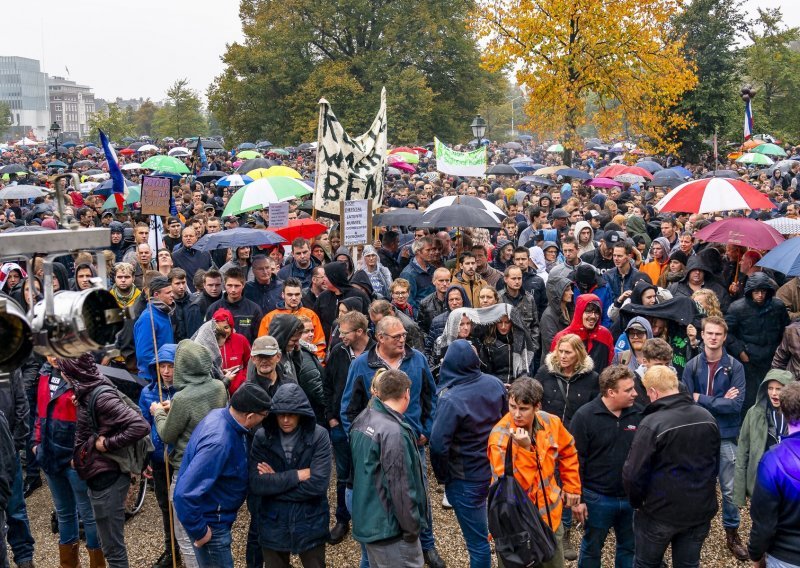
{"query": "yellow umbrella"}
(547, 171)
(259, 173)
(283, 171)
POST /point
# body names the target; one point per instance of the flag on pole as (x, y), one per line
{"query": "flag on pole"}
(117, 179)
(450, 162)
(715, 148)
(201, 153)
(748, 120)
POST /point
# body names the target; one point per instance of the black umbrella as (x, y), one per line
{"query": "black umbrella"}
(246, 146)
(13, 169)
(666, 178)
(573, 173)
(305, 147)
(210, 175)
(538, 180)
(264, 144)
(254, 164)
(512, 146)
(731, 174)
(457, 216)
(502, 170)
(398, 217)
(81, 163)
(241, 237)
(207, 144)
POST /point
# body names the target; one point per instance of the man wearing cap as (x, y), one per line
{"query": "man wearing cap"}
(213, 480)
(173, 236)
(560, 220)
(154, 321)
(602, 256)
(265, 370)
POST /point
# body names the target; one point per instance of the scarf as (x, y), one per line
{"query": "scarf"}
(162, 307)
(125, 301)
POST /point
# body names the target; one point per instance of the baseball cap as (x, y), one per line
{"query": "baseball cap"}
(591, 214)
(612, 237)
(560, 214)
(636, 326)
(265, 345)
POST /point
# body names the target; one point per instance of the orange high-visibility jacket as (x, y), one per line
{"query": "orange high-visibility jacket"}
(556, 447)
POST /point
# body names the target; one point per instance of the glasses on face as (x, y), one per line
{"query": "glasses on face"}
(400, 293)
(636, 333)
(396, 336)
(345, 333)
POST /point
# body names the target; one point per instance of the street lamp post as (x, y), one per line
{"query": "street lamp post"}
(55, 129)
(478, 127)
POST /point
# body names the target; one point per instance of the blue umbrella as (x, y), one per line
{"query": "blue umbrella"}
(234, 180)
(105, 188)
(681, 171)
(70, 144)
(784, 258)
(241, 237)
(538, 180)
(246, 146)
(650, 166)
(573, 173)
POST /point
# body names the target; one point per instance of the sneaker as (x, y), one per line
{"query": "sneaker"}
(445, 503)
(31, 485)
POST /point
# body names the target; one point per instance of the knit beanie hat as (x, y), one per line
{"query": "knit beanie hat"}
(251, 398)
(158, 283)
(680, 256)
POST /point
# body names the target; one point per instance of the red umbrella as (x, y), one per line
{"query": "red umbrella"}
(402, 149)
(403, 166)
(127, 151)
(741, 231)
(88, 151)
(713, 194)
(617, 170)
(305, 228)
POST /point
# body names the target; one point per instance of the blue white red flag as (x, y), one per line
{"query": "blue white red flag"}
(118, 188)
(748, 120)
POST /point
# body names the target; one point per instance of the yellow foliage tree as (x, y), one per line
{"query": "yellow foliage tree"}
(621, 53)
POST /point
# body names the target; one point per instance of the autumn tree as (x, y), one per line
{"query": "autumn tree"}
(144, 117)
(113, 121)
(297, 51)
(182, 113)
(562, 52)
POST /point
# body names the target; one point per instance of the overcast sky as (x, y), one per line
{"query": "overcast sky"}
(139, 48)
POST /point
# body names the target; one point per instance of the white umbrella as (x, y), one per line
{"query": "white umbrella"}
(148, 148)
(470, 201)
(22, 192)
(26, 142)
(785, 226)
(88, 186)
(132, 166)
(629, 178)
(101, 177)
(178, 152)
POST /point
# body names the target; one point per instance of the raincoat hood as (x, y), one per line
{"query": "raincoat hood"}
(635, 225)
(644, 323)
(460, 364)
(461, 291)
(290, 399)
(343, 250)
(760, 281)
(665, 245)
(697, 262)
(166, 354)
(283, 327)
(783, 377)
(192, 364)
(581, 304)
(361, 278)
(556, 286)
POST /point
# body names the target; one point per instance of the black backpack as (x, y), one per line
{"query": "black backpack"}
(521, 537)
(132, 458)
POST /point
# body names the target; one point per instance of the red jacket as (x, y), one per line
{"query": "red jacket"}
(56, 416)
(236, 353)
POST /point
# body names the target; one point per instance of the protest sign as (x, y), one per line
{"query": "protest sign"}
(356, 218)
(155, 195)
(279, 214)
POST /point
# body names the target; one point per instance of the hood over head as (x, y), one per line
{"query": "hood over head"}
(460, 364)
(193, 364)
(640, 288)
(290, 399)
(343, 250)
(665, 245)
(635, 225)
(555, 287)
(760, 281)
(537, 256)
(648, 329)
(337, 274)
(5, 270)
(361, 278)
(283, 327)
(353, 304)
(698, 262)
(166, 354)
(83, 373)
(581, 304)
(580, 226)
(60, 274)
(783, 377)
(463, 293)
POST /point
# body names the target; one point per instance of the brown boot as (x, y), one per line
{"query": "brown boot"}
(96, 558)
(569, 549)
(68, 556)
(735, 544)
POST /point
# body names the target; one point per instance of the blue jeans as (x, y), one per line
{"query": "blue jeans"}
(653, 537)
(71, 498)
(605, 512)
(216, 553)
(19, 534)
(341, 453)
(468, 499)
(727, 469)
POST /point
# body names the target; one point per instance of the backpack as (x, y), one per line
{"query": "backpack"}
(131, 458)
(521, 537)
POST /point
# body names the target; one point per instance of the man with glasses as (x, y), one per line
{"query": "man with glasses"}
(355, 339)
(391, 352)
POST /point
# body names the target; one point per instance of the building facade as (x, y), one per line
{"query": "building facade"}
(71, 105)
(23, 86)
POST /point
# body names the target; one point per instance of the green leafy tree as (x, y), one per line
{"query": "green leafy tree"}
(296, 51)
(770, 64)
(6, 119)
(182, 113)
(113, 121)
(143, 118)
(710, 29)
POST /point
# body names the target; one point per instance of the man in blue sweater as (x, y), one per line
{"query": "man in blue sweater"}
(716, 382)
(213, 480)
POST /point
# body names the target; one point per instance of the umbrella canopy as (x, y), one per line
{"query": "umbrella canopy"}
(547, 171)
(258, 173)
(107, 187)
(407, 157)
(132, 166)
(730, 174)
(555, 148)
(741, 231)
(502, 170)
(408, 168)
(254, 164)
(619, 169)
(260, 193)
(249, 155)
(650, 166)
(769, 150)
(397, 217)
(246, 146)
(241, 237)
(70, 144)
(148, 148)
(785, 226)
(751, 158)
(629, 178)
(681, 171)
(573, 173)
(56, 164)
(22, 192)
(82, 163)
(263, 144)
(603, 182)
(512, 146)
(167, 164)
(127, 152)
(393, 172)
(90, 151)
(208, 144)
(179, 152)
(538, 180)
(458, 215)
(782, 165)
(466, 201)
(13, 169)
(299, 228)
(713, 194)
(784, 258)
(284, 171)
(278, 151)
(667, 178)
(134, 194)
(210, 175)
(234, 180)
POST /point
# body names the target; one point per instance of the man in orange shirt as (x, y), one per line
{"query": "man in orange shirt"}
(535, 431)
(292, 304)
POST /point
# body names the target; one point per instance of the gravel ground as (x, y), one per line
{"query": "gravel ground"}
(143, 535)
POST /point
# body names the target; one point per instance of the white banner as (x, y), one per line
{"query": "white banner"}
(468, 164)
(349, 168)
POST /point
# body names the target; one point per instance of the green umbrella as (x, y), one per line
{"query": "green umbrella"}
(249, 154)
(134, 194)
(556, 148)
(278, 151)
(260, 193)
(769, 150)
(407, 157)
(755, 159)
(168, 164)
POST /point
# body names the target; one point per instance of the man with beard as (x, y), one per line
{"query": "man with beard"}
(123, 290)
(468, 279)
(154, 323)
(491, 275)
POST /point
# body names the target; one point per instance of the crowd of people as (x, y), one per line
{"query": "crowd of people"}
(624, 367)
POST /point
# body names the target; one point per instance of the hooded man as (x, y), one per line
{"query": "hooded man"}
(586, 325)
(756, 324)
(699, 275)
(84, 272)
(589, 281)
(559, 310)
(234, 350)
(470, 404)
(659, 259)
(338, 289)
(118, 245)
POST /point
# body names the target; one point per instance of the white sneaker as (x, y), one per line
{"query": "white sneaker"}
(445, 503)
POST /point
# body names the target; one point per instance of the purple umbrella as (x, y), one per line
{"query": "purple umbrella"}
(741, 231)
(603, 182)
